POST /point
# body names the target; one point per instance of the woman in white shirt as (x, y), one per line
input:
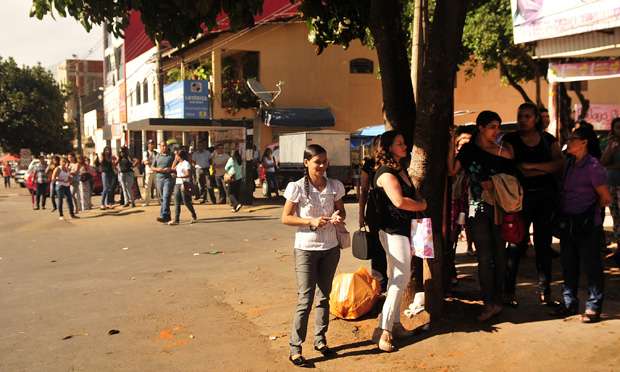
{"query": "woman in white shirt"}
(234, 170)
(313, 204)
(62, 178)
(182, 187)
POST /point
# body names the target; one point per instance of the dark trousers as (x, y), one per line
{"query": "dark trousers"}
(206, 183)
(182, 197)
(7, 181)
(221, 188)
(583, 248)
(53, 194)
(272, 183)
(538, 208)
(234, 192)
(491, 255)
(64, 192)
(41, 194)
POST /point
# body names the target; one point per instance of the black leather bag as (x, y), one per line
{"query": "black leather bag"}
(362, 244)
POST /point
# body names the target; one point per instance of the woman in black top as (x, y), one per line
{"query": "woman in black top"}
(107, 178)
(368, 217)
(127, 176)
(396, 203)
(538, 156)
(481, 159)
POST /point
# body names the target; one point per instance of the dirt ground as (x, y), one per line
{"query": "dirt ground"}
(219, 296)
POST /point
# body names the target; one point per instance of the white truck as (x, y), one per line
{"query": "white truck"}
(337, 144)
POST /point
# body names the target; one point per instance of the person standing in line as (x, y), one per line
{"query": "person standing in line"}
(481, 159)
(398, 200)
(85, 176)
(40, 181)
(6, 173)
(368, 217)
(584, 195)
(126, 176)
(162, 167)
(314, 205)
(539, 158)
(269, 163)
(545, 119)
(219, 163)
(234, 170)
(202, 158)
(107, 178)
(75, 181)
(62, 179)
(55, 163)
(611, 161)
(149, 176)
(182, 186)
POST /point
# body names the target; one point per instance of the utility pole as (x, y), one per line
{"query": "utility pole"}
(78, 96)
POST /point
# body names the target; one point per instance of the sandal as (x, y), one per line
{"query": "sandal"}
(590, 317)
(299, 361)
(385, 342)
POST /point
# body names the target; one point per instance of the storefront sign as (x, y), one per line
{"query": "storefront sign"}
(187, 99)
(600, 116)
(579, 71)
(545, 19)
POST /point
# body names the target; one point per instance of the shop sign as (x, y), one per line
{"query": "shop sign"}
(187, 99)
(599, 115)
(588, 70)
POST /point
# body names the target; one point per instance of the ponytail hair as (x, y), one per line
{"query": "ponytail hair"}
(310, 152)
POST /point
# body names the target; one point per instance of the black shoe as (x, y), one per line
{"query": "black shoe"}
(590, 317)
(162, 220)
(564, 312)
(300, 361)
(325, 351)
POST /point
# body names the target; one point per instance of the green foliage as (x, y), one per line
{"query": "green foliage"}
(31, 110)
(488, 38)
(176, 21)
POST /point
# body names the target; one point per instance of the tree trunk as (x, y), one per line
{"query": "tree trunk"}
(513, 83)
(431, 135)
(160, 81)
(398, 99)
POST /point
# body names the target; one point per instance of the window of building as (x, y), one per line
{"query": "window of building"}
(138, 90)
(145, 91)
(361, 66)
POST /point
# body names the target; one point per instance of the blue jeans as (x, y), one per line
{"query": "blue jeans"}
(165, 187)
(64, 192)
(127, 187)
(185, 198)
(107, 195)
(583, 248)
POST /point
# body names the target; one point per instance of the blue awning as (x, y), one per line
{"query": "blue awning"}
(298, 117)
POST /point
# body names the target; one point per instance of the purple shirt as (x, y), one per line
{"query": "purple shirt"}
(580, 183)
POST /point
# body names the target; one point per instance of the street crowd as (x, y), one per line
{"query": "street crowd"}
(167, 175)
(501, 184)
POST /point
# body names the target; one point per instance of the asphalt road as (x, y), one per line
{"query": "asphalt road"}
(219, 295)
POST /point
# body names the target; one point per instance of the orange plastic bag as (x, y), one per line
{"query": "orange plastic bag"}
(353, 294)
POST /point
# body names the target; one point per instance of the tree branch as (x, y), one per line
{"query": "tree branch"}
(513, 83)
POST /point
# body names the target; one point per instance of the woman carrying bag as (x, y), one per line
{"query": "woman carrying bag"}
(396, 193)
(314, 205)
(584, 193)
(234, 179)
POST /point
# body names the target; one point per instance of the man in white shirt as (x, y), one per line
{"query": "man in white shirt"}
(202, 160)
(219, 163)
(149, 176)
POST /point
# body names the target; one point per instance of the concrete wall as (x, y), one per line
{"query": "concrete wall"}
(138, 70)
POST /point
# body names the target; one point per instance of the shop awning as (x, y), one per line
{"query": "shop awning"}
(187, 125)
(298, 118)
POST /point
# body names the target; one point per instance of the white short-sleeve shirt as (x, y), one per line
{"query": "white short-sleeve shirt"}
(180, 168)
(316, 204)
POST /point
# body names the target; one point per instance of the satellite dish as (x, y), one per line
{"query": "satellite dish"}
(265, 97)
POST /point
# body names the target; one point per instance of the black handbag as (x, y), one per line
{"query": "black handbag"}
(361, 244)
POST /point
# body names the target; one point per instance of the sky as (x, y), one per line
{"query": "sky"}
(48, 41)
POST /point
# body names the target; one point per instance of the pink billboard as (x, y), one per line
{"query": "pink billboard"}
(545, 19)
(600, 116)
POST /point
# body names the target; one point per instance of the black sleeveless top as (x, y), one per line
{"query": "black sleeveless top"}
(391, 219)
(540, 153)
